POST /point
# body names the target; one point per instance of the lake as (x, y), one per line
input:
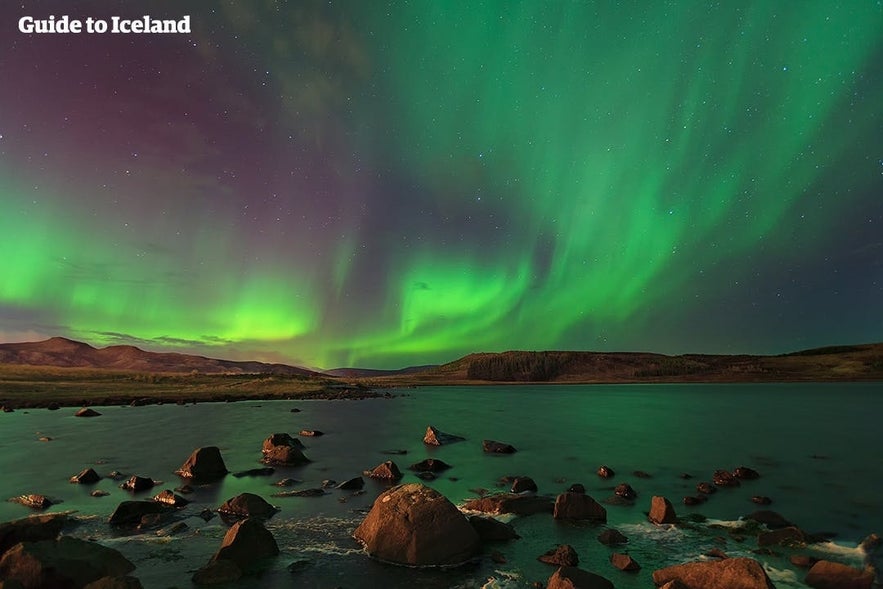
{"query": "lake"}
(817, 447)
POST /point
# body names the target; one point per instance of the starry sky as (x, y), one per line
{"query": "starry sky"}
(384, 184)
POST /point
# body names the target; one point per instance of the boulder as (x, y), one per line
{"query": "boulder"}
(574, 578)
(624, 562)
(435, 437)
(129, 513)
(415, 525)
(136, 484)
(430, 465)
(314, 492)
(495, 447)
(832, 575)
(724, 478)
(247, 505)
(578, 506)
(65, 562)
(662, 511)
(576, 488)
(353, 484)
(523, 485)
(33, 500)
(311, 433)
(705, 488)
(611, 537)
(729, 573)
(770, 519)
(689, 500)
(247, 543)
(86, 477)
(562, 555)
(169, 498)
(790, 536)
(625, 491)
(217, 572)
(282, 450)
(32, 529)
(280, 439)
(761, 500)
(605, 472)
(492, 530)
(746, 474)
(86, 412)
(127, 582)
(386, 471)
(803, 561)
(501, 503)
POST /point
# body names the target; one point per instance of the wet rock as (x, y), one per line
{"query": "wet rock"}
(53, 406)
(832, 575)
(44, 439)
(576, 488)
(281, 439)
(605, 472)
(642, 475)
(99, 493)
(662, 511)
(415, 525)
(730, 573)
(803, 561)
(492, 530)
(129, 513)
(686, 476)
(116, 475)
(302, 493)
(705, 488)
(169, 498)
(328, 483)
(33, 500)
(761, 500)
(86, 477)
(436, 437)
(612, 537)
(217, 572)
(247, 505)
(86, 412)
(386, 471)
(353, 484)
(32, 529)
(576, 578)
(204, 465)
(498, 557)
(286, 482)
(495, 447)
(501, 503)
(255, 472)
(770, 519)
(299, 566)
(523, 485)
(578, 506)
(790, 536)
(716, 553)
(562, 555)
(692, 501)
(311, 433)
(65, 562)
(746, 474)
(625, 491)
(281, 449)
(247, 543)
(175, 529)
(724, 478)
(430, 465)
(394, 452)
(136, 484)
(126, 582)
(427, 476)
(624, 562)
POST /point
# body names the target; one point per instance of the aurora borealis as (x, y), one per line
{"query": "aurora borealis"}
(387, 184)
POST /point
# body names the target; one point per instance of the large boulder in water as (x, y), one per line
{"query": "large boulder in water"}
(282, 450)
(415, 525)
(833, 575)
(247, 505)
(86, 477)
(386, 471)
(729, 573)
(65, 562)
(492, 530)
(662, 511)
(574, 578)
(435, 437)
(495, 447)
(32, 529)
(129, 513)
(204, 465)
(247, 543)
(578, 506)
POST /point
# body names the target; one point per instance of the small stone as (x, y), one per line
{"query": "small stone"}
(624, 562)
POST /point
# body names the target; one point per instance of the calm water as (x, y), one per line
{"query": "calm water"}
(817, 447)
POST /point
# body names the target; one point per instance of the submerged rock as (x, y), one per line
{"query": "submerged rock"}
(576, 578)
(745, 473)
(625, 491)
(724, 478)
(790, 536)
(430, 465)
(605, 472)
(729, 573)
(415, 525)
(255, 472)
(495, 447)
(492, 530)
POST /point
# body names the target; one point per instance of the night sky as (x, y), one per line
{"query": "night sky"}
(388, 184)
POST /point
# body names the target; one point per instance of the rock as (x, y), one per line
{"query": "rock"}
(127, 582)
(576, 488)
(415, 525)
(32, 529)
(302, 493)
(495, 447)
(625, 491)
(673, 585)
(790, 536)
(611, 537)
(686, 476)
(662, 511)
(578, 506)
(295, 410)
(65, 562)
(353, 484)
(746, 474)
(523, 485)
(716, 553)
(730, 573)
(574, 578)
(53, 406)
(761, 500)
(770, 519)
(116, 475)
(832, 575)
(44, 439)
(283, 450)
(129, 513)
(86, 412)
(255, 472)
(328, 483)
(501, 503)
(247, 543)
(136, 484)
(427, 476)
(724, 478)
(33, 500)
(311, 433)
(624, 562)
(387, 471)
(492, 530)
(430, 465)
(169, 498)
(642, 475)
(299, 566)
(435, 437)
(86, 477)
(705, 488)
(247, 505)
(99, 493)
(280, 439)
(605, 472)
(498, 557)
(217, 572)
(803, 561)
(562, 555)
(691, 501)
(286, 482)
